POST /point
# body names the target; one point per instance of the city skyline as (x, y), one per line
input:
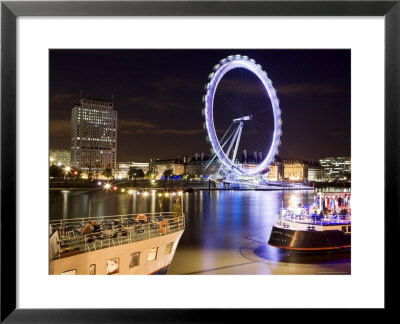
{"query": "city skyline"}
(157, 94)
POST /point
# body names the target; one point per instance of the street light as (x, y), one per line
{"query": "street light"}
(67, 169)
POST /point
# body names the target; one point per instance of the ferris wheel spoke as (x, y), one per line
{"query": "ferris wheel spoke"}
(236, 133)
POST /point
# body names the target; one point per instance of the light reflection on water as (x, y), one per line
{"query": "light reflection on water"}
(226, 231)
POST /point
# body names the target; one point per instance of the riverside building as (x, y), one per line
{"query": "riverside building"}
(336, 168)
(123, 168)
(94, 135)
(295, 169)
(60, 157)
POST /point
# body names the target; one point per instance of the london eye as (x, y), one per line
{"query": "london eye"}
(249, 118)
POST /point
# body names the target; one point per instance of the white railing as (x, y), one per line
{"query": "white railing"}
(305, 218)
(82, 235)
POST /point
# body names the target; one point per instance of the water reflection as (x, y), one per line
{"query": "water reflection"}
(226, 231)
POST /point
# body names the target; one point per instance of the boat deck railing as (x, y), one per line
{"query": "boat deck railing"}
(305, 218)
(82, 235)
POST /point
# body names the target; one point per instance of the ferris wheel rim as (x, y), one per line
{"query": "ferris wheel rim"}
(219, 70)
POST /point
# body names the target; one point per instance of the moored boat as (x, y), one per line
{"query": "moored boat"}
(324, 225)
(117, 244)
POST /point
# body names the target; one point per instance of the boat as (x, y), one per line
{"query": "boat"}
(323, 225)
(115, 245)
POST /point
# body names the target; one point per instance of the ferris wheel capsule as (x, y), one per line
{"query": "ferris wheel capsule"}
(245, 57)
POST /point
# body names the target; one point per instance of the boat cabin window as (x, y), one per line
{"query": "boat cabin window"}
(152, 254)
(113, 266)
(134, 261)
(168, 248)
(92, 269)
(346, 229)
(70, 272)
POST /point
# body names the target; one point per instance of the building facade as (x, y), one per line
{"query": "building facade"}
(315, 172)
(336, 168)
(60, 157)
(94, 136)
(158, 167)
(276, 172)
(123, 168)
(200, 165)
(295, 169)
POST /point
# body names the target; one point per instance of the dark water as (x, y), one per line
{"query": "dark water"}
(226, 231)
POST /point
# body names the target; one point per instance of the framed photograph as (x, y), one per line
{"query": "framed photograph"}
(222, 144)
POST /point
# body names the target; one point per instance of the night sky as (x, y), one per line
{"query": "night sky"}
(158, 96)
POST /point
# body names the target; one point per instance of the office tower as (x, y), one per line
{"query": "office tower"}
(94, 135)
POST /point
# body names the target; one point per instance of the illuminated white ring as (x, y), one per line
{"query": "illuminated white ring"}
(225, 65)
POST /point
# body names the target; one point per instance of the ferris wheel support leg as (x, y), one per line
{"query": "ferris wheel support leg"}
(222, 146)
(233, 140)
(237, 141)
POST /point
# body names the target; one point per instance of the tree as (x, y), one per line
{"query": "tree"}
(55, 171)
(135, 173)
(177, 208)
(168, 173)
(107, 172)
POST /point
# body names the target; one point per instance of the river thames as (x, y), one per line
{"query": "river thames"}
(226, 230)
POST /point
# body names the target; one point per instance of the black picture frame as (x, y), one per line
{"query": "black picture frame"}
(10, 10)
